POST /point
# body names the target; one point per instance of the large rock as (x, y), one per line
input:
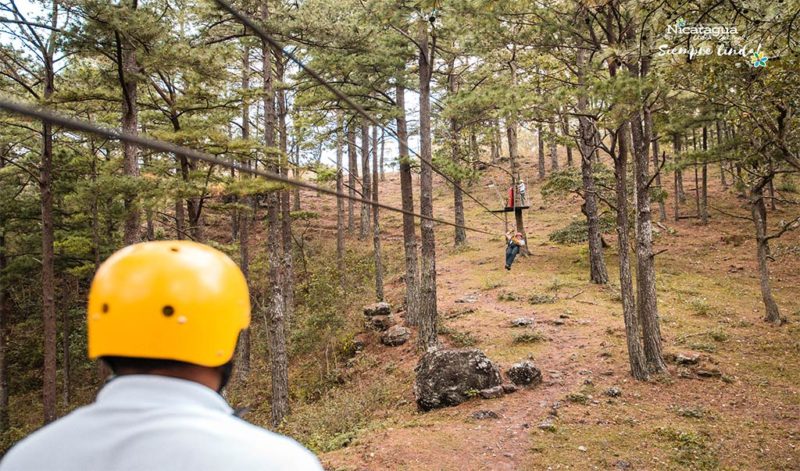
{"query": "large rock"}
(380, 323)
(448, 377)
(524, 374)
(378, 309)
(396, 335)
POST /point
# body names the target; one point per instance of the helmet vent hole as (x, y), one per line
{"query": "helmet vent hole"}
(173, 249)
(105, 308)
(168, 311)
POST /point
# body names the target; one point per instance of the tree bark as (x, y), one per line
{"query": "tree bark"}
(48, 255)
(383, 153)
(428, 310)
(495, 141)
(704, 197)
(632, 324)
(276, 333)
(646, 304)
(128, 71)
(648, 124)
(376, 228)
(759, 212)
(243, 357)
(722, 178)
(540, 139)
(285, 196)
(339, 201)
(5, 313)
(365, 181)
(460, 234)
(409, 230)
(553, 147)
(597, 265)
(352, 172)
(676, 144)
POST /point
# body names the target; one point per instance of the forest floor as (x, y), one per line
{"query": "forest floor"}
(738, 409)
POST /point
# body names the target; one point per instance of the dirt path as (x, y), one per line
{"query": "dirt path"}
(677, 421)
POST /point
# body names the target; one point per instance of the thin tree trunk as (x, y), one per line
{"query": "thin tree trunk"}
(646, 304)
(632, 325)
(553, 147)
(676, 144)
(460, 235)
(428, 310)
(276, 333)
(495, 141)
(597, 264)
(285, 196)
(409, 230)
(566, 132)
(243, 357)
(376, 227)
(128, 69)
(704, 197)
(759, 212)
(5, 313)
(352, 172)
(722, 178)
(383, 153)
(48, 255)
(541, 152)
(365, 181)
(648, 124)
(339, 202)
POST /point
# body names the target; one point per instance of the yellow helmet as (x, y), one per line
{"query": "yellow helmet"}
(168, 300)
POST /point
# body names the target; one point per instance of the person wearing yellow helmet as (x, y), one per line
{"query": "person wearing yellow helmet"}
(165, 317)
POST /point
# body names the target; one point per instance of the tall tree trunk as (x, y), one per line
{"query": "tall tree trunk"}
(376, 228)
(128, 70)
(366, 186)
(460, 236)
(646, 304)
(566, 132)
(597, 264)
(541, 152)
(428, 310)
(648, 125)
(296, 171)
(383, 153)
(495, 141)
(5, 313)
(676, 144)
(352, 172)
(276, 333)
(632, 325)
(243, 357)
(759, 212)
(407, 196)
(48, 255)
(704, 197)
(553, 147)
(722, 178)
(339, 201)
(286, 217)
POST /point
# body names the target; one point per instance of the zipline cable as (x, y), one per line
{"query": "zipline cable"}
(261, 33)
(170, 148)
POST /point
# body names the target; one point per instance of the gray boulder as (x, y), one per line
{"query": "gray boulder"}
(448, 377)
(380, 323)
(378, 309)
(524, 374)
(396, 335)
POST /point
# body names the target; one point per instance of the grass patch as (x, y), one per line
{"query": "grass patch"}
(542, 299)
(576, 232)
(459, 338)
(530, 337)
(690, 449)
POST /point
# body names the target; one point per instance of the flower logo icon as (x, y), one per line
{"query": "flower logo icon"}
(758, 59)
(680, 22)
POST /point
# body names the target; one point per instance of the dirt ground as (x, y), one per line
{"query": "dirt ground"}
(739, 408)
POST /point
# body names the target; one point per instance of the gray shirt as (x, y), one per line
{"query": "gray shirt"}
(145, 422)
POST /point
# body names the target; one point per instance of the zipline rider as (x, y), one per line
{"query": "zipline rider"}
(165, 317)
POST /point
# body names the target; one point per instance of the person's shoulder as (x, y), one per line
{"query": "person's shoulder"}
(269, 448)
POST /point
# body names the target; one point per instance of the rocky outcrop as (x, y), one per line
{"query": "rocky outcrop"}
(378, 309)
(448, 377)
